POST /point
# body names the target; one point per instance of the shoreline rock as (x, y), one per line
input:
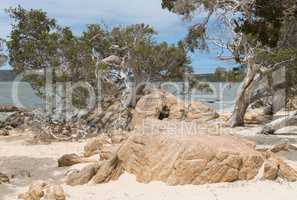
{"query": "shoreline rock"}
(180, 160)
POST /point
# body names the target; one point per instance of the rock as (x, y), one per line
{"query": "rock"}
(3, 178)
(201, 159)
(252, 116)
(284, 170)
(10, 108)
(69, 160)
(107, 151)
(41, 190)
(4, 132)
(83, 176)
(73, 159)
(118, 138)
(54, 192)
(94, 145)
(159, 104)
(270, 170)
(256, 116)
(112, 116)
(283, 147)
(289, 130)
(17, 119)
(35, 191)
(109, 170)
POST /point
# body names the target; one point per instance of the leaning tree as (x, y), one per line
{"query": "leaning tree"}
(257, 27)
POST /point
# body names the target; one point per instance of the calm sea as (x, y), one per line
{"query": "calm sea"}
(222, 99)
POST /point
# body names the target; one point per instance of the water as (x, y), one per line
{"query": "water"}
(24, 93)
(222, 99)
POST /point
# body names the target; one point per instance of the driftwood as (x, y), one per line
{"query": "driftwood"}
(10, 108)
(280, 123)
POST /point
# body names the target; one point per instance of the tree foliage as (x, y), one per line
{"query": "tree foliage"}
(39, 43)
(234, 75)
(3, 57)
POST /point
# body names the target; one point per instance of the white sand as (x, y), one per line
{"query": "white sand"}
(40, 162)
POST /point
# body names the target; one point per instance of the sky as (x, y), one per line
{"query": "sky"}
(77, 14)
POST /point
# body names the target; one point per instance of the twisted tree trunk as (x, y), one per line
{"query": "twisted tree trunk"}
(244, 95)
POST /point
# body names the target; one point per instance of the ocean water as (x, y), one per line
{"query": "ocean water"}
(222, 99)
(24, 94)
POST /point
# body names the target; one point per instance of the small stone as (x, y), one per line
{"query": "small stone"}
(4, 132)
(41, 190)
(3, 178)
(69, 160)
(81, 177)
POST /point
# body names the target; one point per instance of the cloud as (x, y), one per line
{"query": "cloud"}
(78, 13)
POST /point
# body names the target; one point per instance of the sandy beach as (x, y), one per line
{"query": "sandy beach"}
(27, 162)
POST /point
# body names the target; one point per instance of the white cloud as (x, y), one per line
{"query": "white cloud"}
(77, 13)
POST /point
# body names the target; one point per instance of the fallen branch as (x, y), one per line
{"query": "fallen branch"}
(280, 123)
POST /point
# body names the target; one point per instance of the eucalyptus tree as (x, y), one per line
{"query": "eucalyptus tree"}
(257, 26)
(147, 59)
(3, 57)
(38, 43)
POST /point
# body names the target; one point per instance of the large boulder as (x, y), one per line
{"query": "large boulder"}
(160, 104)
(201, 159)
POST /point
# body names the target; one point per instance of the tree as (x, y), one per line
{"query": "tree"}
(147, 60)
(256, 25)
(39, 43)
(273, 27)
(220, 74)
(3, 57)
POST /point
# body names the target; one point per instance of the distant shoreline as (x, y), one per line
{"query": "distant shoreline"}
(7, 75)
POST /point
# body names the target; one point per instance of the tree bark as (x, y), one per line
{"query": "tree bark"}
(243, 98)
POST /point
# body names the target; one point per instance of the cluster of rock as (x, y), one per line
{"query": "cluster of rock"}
(45, 129)
(159, 104)
(15, 120)
(156, 104)
(10, 108)
(175, 159)
(179, 160)
(41, 190)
